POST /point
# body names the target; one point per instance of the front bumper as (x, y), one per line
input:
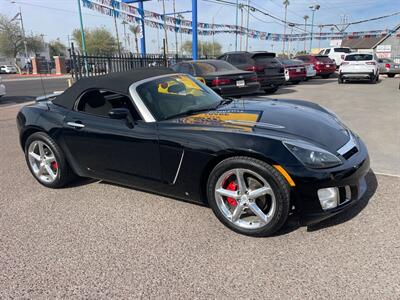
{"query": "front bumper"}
(349, 178)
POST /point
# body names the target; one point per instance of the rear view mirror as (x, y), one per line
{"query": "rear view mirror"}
(118, 113)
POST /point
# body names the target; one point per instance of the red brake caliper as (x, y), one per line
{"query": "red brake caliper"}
(54, 165)
(232, 186)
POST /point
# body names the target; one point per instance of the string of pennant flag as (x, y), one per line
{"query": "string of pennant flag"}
(130, 14)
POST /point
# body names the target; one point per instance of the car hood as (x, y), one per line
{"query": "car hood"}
(285, 119)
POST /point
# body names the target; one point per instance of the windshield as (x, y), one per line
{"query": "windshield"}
(358, 57)
(176, 95)
(206, 67)
(344, 50)
(324, 59)
(265, 59)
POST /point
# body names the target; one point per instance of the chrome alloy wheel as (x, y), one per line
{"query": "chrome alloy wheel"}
(43, 162)
(245, 198)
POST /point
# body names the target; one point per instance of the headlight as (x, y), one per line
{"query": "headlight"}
(312, 156)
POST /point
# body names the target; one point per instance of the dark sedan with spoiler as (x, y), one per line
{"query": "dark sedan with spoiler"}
(253, 162)
(223, 78)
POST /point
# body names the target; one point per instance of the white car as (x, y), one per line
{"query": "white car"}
(2, 88)
(359, 66)
(337, 54)
(7, 69)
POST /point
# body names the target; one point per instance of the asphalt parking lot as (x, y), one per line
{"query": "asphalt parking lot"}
(97, 240)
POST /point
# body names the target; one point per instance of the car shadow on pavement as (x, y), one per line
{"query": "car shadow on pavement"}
(293, 223)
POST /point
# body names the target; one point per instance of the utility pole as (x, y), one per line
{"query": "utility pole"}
(21, 19)
(285, 3)
(176, 33)
(237, 21)
(305, 31)
(247, 25)
(165, 29)
(313, 8)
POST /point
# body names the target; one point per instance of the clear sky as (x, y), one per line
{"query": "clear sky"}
(58, 18)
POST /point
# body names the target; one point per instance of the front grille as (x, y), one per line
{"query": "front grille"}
(345, 194)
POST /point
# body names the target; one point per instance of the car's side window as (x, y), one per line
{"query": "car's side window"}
(327, 51)
(223, 57)
(237, 59)
(101, 102)
(186, 68)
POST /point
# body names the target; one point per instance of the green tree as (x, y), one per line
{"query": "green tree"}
(99, 41)
(11, 39)
(35, 44)
(56, 48)
(203, 48)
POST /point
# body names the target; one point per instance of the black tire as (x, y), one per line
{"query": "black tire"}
(296, 81)
(64, 172)
(325, 76)
(276, 181)
(271, 90)
(340, 79)
(391, 75)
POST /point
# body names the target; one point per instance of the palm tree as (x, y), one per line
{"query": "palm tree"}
(305, 30)
(135, 29)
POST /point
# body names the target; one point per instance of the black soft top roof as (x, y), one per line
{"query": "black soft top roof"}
(117, 82)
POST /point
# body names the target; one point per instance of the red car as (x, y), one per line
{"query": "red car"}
(294, 71)
(322, 63)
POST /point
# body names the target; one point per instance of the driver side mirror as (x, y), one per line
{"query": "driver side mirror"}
(121, 114)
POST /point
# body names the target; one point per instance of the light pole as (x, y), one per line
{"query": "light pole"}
(165, 29)
(82, 29)
(213, 30)
(176, 33)
(237, 21)
(320, 32)
(305, 31)
(313, 9)
(291, 25)
(247, 24)
(285, 3)
(241, 25)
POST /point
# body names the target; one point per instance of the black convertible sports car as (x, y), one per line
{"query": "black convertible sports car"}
(253, 162)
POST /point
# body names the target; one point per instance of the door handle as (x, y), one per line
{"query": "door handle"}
(75, 125)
